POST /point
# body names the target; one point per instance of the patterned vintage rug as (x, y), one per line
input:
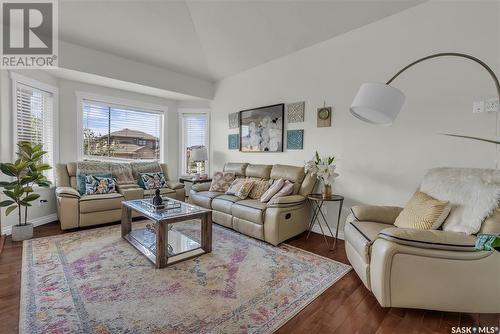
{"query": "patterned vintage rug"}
(95, 282)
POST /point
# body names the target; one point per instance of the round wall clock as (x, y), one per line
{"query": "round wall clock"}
(324, 113)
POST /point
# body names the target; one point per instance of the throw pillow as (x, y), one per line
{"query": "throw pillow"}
(286, 190)
(245, 189)
(81, 180)
(273, 189)
(423, 212)
(152, 180)
(99, 185)
(221, 181)
(259, 188)
(235, 186)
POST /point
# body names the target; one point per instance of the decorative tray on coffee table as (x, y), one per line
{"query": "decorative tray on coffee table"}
(166, 205)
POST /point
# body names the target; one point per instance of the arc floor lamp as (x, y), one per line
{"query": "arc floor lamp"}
(379, 103)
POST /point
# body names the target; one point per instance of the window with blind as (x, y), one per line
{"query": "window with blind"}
(120, 132)
(194, 134)
(34, 119)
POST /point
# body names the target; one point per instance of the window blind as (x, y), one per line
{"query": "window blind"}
(35, 120)
(194, 134)
(120, 132)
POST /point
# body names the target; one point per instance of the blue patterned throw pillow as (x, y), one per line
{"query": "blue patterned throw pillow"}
(81, 181)
(152, 180)
(95, 185)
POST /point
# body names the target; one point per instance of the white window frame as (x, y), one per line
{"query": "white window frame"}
(192, 111)
(118, 102)
(23, 80)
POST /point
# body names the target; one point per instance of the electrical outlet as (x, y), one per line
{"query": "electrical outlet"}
(43, 202)
(478, 107)
(491, 105)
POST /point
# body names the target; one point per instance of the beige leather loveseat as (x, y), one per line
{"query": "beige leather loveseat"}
(425, 269)
(273, 223)
(75, 210)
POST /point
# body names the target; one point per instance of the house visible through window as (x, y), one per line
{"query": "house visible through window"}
(120, 132)
(34, 119)
(194, 134)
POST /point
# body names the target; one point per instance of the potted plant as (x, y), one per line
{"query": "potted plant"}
(27, 172)
(324, 169)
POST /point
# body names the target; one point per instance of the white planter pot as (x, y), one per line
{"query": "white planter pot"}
(22, 232)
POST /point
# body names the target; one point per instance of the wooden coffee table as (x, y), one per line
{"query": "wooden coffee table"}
(160, 242)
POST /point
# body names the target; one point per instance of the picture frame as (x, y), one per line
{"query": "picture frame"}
(262, 129)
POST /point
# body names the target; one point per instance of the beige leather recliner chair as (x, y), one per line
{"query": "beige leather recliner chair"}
(424, 269)
(75, 210)
(272, 223)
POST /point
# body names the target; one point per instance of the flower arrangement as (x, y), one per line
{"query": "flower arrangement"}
(324, 169)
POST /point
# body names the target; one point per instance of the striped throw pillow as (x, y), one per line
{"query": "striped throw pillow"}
(423, 212)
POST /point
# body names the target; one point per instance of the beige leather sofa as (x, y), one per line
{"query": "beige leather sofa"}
(425, 269)
(75, 210)
(273, 223)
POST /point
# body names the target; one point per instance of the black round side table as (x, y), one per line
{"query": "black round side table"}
(317, 201)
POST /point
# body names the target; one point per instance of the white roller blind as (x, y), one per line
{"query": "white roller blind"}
(120, 132)
(194, 134)
(35, 120)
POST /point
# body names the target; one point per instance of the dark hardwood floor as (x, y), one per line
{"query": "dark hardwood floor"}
(346, 307)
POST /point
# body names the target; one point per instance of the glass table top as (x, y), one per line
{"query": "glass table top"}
(184, 209)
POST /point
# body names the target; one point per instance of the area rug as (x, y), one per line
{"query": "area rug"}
(93, 281)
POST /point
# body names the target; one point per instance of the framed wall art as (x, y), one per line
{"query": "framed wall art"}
(261, 129)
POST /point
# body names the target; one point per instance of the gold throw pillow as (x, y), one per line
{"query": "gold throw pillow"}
(245, 189)
(423, 212)
(258, 189)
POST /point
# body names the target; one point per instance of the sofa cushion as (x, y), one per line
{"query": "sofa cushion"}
(221, 181)
(224, 203)
(204, 198)
(245, 189)
(249, 209)
(259, 171)
(259, 188)
(361, 235)
(286, 190)
(152, 180)
(81, 180)
(423, 212)
(163, 191)
(95, 185)
(273, 189)
(237, 168)
(145, 167)
(292, 173)
(235, 186)
(104, 202)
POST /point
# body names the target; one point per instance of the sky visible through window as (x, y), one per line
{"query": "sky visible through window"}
(96, 118)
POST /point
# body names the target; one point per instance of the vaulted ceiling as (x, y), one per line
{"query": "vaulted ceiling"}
(213, 39)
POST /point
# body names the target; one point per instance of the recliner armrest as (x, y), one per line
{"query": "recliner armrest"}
(286, 201)
(430, 239)
(201, 186)
(378, 214)
(175, 185)
(67, 192)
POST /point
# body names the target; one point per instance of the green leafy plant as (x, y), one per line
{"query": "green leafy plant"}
(27, 172)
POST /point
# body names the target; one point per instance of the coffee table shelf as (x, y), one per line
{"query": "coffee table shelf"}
(161, 243)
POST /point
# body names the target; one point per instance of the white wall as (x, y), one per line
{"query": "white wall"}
(68, 141)
(380, 165)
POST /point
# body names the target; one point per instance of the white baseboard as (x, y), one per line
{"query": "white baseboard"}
(36, 222)
(327, 232)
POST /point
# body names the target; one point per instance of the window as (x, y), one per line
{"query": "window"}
(35, 116)
(120, 132)
(194, 134)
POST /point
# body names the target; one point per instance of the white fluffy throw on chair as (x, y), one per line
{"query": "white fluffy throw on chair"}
(473, 192)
